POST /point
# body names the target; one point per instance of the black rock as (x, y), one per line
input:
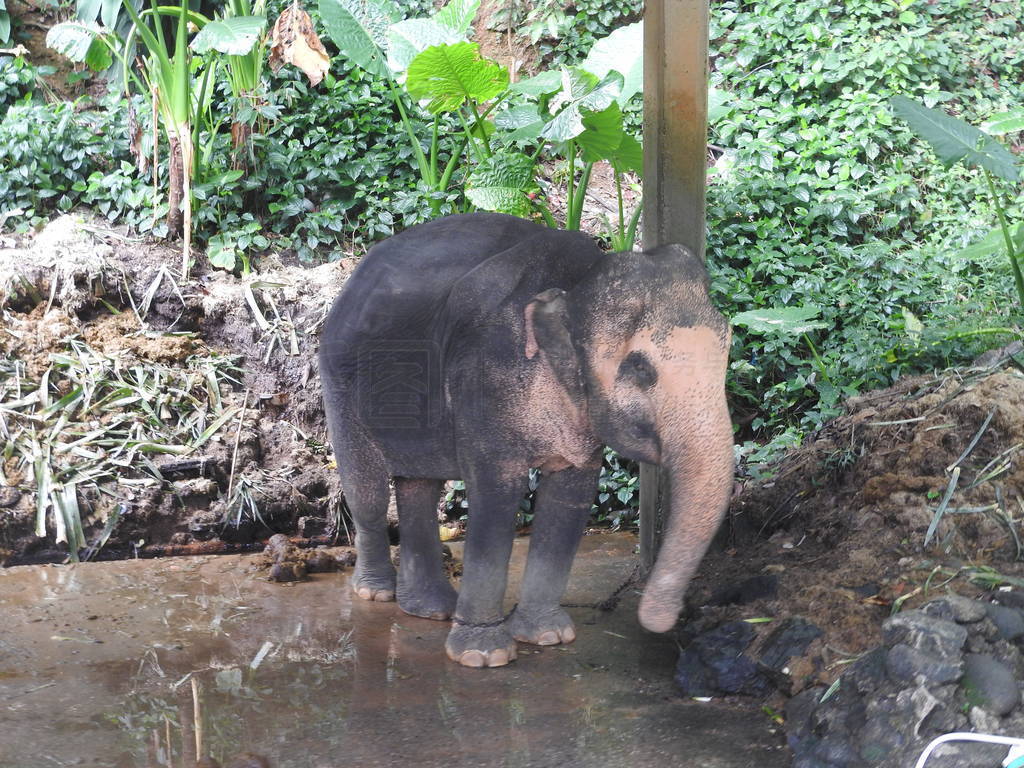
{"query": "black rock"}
(789, 639)
(879, 739)
(932, 636)
(909, 665)
(1013, 598)
(715, 663)
(1009, 621)
(956, 608)
(747, 591)
(989, 684)
(868, 672)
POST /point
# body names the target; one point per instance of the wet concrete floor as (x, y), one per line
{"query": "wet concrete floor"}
(115, 664)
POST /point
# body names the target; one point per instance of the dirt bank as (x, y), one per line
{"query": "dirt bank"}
(158, 412)
(917, 490)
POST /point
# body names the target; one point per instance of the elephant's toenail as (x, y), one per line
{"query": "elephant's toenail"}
(498, 659)
(548, 638)
(472, 659)
(383, 596)
(568, 635)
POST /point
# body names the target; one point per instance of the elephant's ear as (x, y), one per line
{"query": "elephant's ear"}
(547, 332)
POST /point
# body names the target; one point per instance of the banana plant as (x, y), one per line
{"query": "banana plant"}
(953, 141)
(239, 34)
(167, 75)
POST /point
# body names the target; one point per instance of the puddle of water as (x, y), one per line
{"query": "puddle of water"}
(115, 664)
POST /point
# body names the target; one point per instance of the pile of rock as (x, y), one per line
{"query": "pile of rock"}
(954, 665)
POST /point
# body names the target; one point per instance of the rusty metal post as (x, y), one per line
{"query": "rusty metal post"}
(675, 168)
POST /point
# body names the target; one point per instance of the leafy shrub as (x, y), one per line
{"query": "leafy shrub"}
(335, 167)
(593, 19)
(50, 156)
(17, 80)
(821, 198)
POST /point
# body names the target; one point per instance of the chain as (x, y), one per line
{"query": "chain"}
(484, 624)
(612, 601)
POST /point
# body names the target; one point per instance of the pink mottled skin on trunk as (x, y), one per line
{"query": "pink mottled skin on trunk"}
(694, 430)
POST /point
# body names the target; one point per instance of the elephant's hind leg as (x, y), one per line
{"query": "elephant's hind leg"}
(423, 588)
(561, 510)
(364, 481)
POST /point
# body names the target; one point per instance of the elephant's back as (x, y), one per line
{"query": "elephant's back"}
(403, 282)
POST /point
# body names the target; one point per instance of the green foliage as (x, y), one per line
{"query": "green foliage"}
(954, 140)
(450, 75)
(618, 491)
(53, 158)
(819, 197)
(592, 20)
(335, 169)
(18, 80)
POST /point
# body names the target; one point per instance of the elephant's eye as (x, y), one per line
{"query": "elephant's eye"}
(638, 370)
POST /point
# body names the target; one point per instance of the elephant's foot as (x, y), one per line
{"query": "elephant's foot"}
(542, 627)
(480, 646)
(432, 600)
(379, 587)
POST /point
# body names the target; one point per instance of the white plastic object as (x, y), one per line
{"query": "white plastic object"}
(1016, 745)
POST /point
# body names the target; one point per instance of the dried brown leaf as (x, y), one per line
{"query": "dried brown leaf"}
(293, 41)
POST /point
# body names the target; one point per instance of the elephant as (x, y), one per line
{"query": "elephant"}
(478, 346)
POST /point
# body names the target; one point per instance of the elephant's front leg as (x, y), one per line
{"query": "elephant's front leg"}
(561, 509)
(479, 635)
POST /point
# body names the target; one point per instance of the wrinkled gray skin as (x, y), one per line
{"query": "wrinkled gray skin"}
(481, 345)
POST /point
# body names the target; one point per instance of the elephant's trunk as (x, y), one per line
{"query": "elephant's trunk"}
(697, 455)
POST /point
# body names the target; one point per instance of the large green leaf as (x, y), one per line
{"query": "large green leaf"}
(546, 82)
(458, 15)
(503, 183)
(602, 133)
(629, 156)
(88, 10)
(1008, 122)
(235, 36)
(359, 28)
(993, 243)
(448, 75)
(80, 41)
(408, 38)
(5, 24)
(521, 123)
(580, 90)
(788, 320)
(623, 52)
(109, 11)
(954, 140)
(718, 105)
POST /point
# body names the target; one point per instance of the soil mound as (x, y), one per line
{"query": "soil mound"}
(916, 491)
(152, 415)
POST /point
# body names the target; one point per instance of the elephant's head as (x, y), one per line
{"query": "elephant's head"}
(638, 341)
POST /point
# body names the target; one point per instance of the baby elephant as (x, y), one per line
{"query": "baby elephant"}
(478, 346)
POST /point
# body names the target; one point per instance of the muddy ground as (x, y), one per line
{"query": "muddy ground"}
(839, 533)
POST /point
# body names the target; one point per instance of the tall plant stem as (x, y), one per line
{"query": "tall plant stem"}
(622, 211)
(819, 363)
(997, 330)
(478, 121)
(433, 147)
(421, 159)
(570, 187)
(469, 134)
(1011, 252)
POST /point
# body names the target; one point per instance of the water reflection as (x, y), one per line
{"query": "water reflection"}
(160, 664)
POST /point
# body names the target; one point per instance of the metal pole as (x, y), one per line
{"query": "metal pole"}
(675, 167)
